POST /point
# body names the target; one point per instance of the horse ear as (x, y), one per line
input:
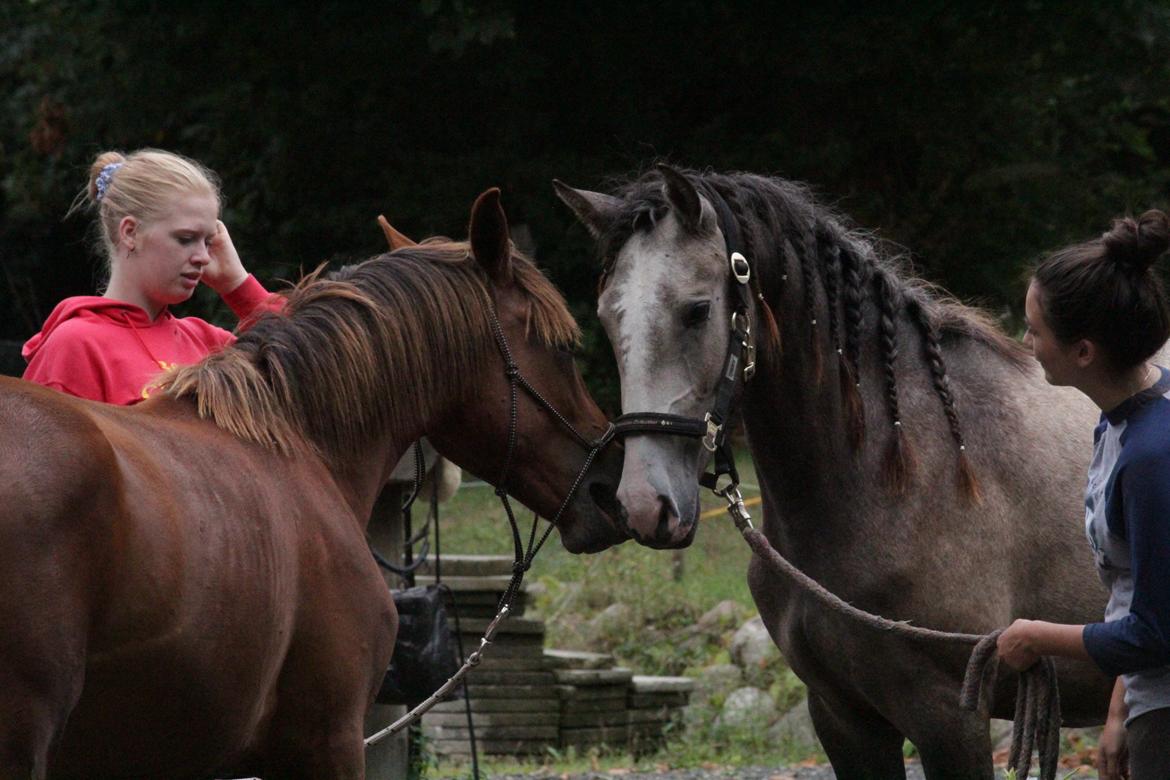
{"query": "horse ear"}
(683, 196)
(595, 210)
(395, 239)
(488, 233)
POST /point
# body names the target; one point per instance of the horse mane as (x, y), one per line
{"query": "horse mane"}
(784, 227)
(363, 351)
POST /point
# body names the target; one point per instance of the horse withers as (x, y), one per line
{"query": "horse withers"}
(911, 458)
(185, 585)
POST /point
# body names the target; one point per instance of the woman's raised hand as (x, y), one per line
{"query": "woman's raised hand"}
(225, 272)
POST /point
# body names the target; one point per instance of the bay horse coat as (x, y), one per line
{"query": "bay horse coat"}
(185, 585)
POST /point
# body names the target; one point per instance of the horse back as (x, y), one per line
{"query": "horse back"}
(195, 568)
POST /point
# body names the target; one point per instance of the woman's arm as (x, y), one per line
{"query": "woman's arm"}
(1112, 759)
(1024, 641)
(239, 289)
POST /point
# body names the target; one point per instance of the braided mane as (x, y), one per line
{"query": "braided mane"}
(784, 227)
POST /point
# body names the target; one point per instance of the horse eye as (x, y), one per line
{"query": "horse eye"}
(696, 314)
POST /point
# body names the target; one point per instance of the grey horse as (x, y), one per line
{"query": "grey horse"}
(910, 455)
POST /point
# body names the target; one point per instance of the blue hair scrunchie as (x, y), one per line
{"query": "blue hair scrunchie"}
(103, 180)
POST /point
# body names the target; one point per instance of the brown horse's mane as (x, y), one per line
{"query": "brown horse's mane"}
(786, 230)
(362, 352)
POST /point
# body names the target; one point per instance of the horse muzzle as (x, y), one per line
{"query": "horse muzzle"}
(658, 513)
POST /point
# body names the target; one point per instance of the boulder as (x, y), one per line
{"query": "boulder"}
(751, 647)
(611, 621)
(795, 730)
(719, 618)
(718, 680)
(747, 707)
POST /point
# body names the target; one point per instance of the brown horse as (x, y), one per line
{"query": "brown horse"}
(911, 458)
(185, 586)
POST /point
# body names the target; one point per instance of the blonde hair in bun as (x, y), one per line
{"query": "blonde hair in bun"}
(143, 185)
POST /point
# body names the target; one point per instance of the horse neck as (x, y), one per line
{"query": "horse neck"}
(362, 477)
(798, 420)
(363, 468)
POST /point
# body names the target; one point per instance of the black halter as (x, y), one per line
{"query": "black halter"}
(740, 361)
(523, 559)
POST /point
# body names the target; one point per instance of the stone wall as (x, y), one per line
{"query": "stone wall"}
(524, 698)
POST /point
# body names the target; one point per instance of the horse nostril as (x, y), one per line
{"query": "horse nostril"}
(667, 516)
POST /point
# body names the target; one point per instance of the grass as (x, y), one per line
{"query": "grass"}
(711, 570)
(664, 593)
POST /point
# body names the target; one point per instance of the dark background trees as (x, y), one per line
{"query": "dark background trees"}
(976, 135)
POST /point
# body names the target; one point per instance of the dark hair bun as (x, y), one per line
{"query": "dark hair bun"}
(1138, 243)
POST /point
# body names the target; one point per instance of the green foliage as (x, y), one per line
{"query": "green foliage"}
(977, 135)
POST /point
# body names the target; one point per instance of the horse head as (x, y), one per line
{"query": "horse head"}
(666, 307)
(555, 422)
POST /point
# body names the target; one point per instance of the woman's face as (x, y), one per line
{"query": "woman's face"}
(171, 252)
(1059, 360)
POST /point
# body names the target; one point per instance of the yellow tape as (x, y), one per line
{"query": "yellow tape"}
(723, 510)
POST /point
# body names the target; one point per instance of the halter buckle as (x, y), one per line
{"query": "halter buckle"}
(740, 268)
(741, 323)
(736, 508)
(711, 440)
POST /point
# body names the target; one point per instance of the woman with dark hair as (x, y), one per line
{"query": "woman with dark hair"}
(1096, 315)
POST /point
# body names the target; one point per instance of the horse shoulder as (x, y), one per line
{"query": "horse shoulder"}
(58, 466)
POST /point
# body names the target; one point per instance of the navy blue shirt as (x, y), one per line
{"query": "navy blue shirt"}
(1127, 519)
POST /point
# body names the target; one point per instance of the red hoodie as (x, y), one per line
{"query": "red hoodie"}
(111, 351)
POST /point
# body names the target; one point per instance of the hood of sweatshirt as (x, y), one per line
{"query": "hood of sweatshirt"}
(125, 315)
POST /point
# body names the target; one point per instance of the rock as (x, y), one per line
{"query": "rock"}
(718, 680)
(747, 707)
(647, 684)
(611, 621)
(719, 618)
(618, 675)
(795, 730)
(576, 659)
(751, 647)
(1001, 734)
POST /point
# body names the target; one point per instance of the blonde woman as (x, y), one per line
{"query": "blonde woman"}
(157, 217)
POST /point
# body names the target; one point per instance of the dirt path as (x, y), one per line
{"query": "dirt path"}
(824, 772)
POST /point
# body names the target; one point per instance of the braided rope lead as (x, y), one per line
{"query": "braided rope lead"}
(1036, 722)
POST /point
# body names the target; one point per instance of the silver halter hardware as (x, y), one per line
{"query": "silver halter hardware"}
(740, 268)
